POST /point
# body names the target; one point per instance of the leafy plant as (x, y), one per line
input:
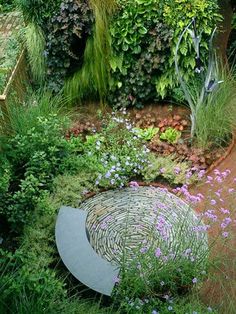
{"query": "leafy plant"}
(6, 5)
(144, 34)
(139, 55)
(146, 134)
(20, 117)
(35, 147)
(65, 40)
(170, 135)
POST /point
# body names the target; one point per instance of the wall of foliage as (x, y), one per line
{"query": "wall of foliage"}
(144, 36)
(139, 47)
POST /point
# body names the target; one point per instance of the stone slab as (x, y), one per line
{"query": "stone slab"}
(78, 255)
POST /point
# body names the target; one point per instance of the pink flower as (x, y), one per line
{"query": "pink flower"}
(134, 185)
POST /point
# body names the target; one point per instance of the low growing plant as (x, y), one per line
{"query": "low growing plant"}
(146, 134)
(167, 167)
(171, 135)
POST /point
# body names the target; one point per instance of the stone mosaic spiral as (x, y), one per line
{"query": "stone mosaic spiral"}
(129, 219)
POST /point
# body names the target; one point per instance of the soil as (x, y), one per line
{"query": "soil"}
(222, 290)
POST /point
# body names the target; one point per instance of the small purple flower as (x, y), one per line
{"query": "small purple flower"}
(177, 170)
(201, 173)
(162, 170)
(224, 211)
(108, 174)
(155, 312)
(158, 252)
(225, 234)
(116, 280)
(143, 250)
(188, 175)
(194, 280)
(213, 202)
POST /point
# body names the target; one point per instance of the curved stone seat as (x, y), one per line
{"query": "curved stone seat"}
(78, 255)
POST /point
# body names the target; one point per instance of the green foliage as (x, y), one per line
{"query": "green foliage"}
(92, 80)
(21, 117)
(141, 43)
(8, 58)
(168, 168)
(177, 15)
(116, 153)
(69, 189)
(35, 148)
(146, 134)
(6, 5)
(171, 135)
(66, 36)
(38, 11)
(5, 175)
(215, 120)
(35, 44)
(144, 36)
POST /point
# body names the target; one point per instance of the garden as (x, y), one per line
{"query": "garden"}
(117, 156)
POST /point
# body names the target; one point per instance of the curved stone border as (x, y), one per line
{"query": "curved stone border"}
(78, 255)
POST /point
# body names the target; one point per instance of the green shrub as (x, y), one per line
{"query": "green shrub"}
(144, 37)
(36, 156)
(6, 5)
